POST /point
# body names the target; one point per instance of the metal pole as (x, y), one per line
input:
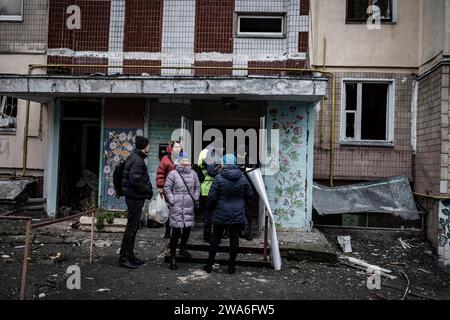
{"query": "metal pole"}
(266, 233)
(25, 260)
(47, 223)
(91, 249)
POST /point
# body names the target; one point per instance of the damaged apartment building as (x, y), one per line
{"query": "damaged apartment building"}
(354, 101)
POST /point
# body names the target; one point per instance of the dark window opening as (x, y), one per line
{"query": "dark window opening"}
(358, 10)
(352, 92)
(350, 126)
(260, 25)
(366, 112)
(8, 114)
(374, 111)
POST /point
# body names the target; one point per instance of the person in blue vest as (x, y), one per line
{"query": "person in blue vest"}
(227, 199)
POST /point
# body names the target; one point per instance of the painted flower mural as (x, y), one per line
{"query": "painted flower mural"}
(288, 195)
(118, 145)
(444, 222)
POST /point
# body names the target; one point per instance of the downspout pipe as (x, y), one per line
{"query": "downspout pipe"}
(25, 133)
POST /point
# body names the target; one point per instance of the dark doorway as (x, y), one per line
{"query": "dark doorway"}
(79, 156)
(254, 209)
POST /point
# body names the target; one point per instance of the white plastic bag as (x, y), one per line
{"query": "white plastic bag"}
(158, 210)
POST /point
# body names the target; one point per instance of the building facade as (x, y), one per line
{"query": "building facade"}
(119, 68)
(116, 69)
(391, 115)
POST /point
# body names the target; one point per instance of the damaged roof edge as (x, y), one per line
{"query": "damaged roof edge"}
(43, 88)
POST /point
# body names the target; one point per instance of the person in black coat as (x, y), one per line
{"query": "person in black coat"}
(227, 199)
(136, 187)
(245, 162)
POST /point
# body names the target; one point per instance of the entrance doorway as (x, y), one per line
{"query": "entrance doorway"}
(223, 115)
(79, 156)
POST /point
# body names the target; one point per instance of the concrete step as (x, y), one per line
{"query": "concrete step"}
(317, 251)
(201, 257)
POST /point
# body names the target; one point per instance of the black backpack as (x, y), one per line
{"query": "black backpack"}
(117, 178)
(198, 170)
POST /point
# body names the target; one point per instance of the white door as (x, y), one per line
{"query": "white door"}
(187, 135)
(262, 153)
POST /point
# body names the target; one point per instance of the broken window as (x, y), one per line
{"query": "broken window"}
(8, 114)
(362, 10)
(368, 111)
(11, 10)
(257, 25)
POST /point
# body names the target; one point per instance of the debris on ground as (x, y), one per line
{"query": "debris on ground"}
(58, 257)
(345, 243)
(362, 265)
(102, 243)
(405, 244)
(196, 275)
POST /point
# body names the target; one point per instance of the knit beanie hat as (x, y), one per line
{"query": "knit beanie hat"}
(184, 155)
(229, 159)
(141, 142)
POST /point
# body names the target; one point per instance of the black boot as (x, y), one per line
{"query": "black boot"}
(173, 263)
(231, 269)
(207, 268)
(128, 264)
(183, 252)
(137, 261)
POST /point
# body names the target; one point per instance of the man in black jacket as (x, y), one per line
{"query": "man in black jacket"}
(136, 187)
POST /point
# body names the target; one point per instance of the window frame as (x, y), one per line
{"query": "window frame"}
(390, 113)
(392, 20)
(261, 15)
(10, 130)
(13, 18)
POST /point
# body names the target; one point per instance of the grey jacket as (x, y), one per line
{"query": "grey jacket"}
(181, 205)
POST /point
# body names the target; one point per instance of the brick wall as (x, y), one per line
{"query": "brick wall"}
(366, 163)
(94, 32)
(428, 156)
(140, 71)
(78, 61)
(143, 25)
(214, 26)
(176, 34)
(213, 72)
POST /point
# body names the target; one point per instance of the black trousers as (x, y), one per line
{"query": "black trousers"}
(233, 234)
(175, 236)
(248, 223)
(207, 225)
(167, 233)
(129, 237)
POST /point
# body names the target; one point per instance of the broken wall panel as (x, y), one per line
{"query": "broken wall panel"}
(392, 195)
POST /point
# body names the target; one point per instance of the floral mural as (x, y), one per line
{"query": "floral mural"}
(444, 232)
(118, 144)
(287, 188)
(444, 224)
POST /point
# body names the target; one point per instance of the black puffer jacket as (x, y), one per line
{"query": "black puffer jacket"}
(135, 181)
(228, 196)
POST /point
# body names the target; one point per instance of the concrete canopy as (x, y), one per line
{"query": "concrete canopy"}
(43, 88)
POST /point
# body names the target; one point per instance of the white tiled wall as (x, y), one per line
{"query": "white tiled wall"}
(116, 32)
